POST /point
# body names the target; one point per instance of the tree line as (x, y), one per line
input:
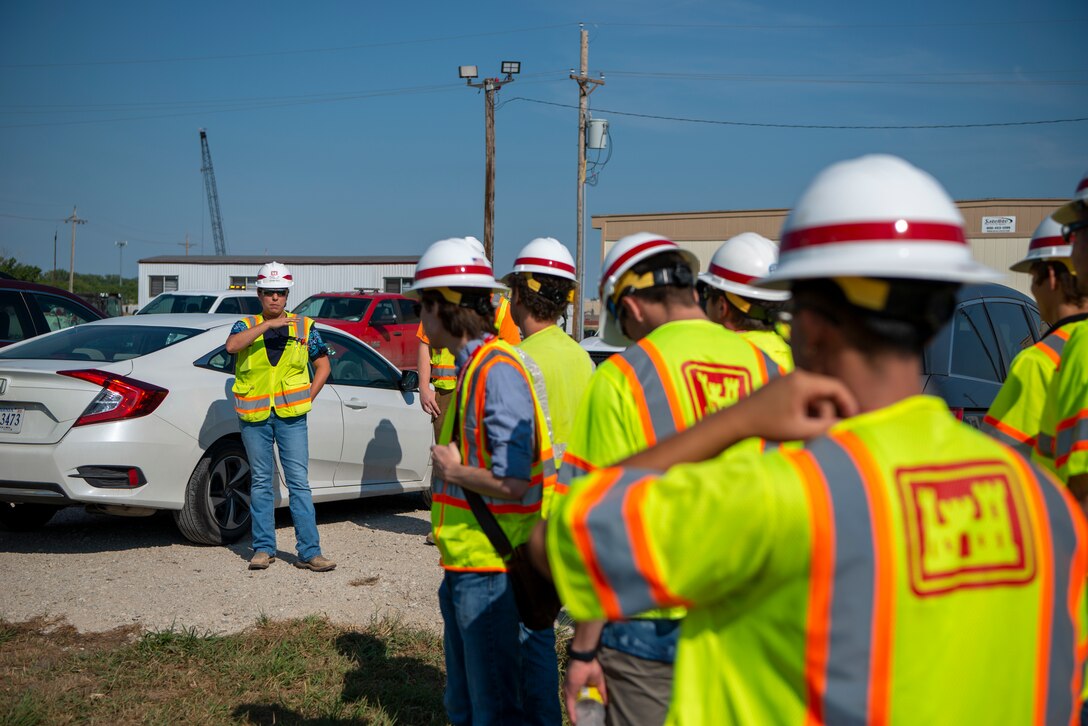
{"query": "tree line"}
(83, 283)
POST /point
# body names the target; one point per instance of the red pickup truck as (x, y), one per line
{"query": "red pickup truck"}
(385, 321)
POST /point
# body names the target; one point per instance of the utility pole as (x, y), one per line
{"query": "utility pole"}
(490, 86)
(74, 219)
(185, 244)
(586, 86)
(120, 258)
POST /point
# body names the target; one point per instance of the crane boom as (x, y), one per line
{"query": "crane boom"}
(213, 195)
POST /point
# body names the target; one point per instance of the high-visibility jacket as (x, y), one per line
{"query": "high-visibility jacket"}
(460, 539)
(773, 345)
(903, 569)
(566, 369)
(443, 365)
(1056, 446)
(1016, 415)
(259, 386)
(657, 387)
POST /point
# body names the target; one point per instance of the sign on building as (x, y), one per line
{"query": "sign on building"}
(993, 225)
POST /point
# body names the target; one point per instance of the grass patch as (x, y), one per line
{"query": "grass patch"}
(306, 671)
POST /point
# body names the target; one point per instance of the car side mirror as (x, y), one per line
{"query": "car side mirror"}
(409, 381)
(383, 320)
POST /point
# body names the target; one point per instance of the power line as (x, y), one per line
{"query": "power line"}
(807, 126)
(298, 51)
(34, 219)
(843, 26)
(861, 79)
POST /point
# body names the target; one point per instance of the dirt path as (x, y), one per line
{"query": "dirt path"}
(100, 572)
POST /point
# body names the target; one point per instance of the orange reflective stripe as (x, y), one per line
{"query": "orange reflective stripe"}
(511, 508)
(1009, 431)
(455, 568)
(639, 397)
(584, 541)
(822, 546)
(636, 535)
(884, 577)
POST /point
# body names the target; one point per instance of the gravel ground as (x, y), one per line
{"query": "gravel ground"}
(100, 572)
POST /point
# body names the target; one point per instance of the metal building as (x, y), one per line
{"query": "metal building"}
(312, 274)
(998, 229)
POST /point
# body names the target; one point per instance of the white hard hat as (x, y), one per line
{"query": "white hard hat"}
(274, 275)
(875, 216)
(740, 261)
(1046, 244)
(474, 244)
(453, 263)
(1071, 211)
(545, 255)
(624, 255)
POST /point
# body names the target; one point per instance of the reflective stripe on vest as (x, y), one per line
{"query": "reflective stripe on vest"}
(1006, 434)
(853, 582)
(1072, 436)
(655, 395)
(1054, 343)
(614, 496)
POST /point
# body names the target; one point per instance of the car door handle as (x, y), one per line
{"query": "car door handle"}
(356, 403)
(397, 334)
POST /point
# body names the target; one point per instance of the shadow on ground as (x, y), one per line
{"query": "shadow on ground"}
(380, 689)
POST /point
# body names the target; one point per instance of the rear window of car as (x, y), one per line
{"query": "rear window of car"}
(106, 343)
(349, 309)
(178, 304)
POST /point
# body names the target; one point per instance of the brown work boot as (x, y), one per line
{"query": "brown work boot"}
(317, 564)
(429, 539)
(261, 561)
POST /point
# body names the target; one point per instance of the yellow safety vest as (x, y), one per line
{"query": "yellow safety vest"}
(1062, 441)
(443, 365)
(461, 541)
(773, 344)
(259, 386)
(903, 569)
(661, 385)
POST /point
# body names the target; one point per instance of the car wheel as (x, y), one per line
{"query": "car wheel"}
(216, 507)
(26, 516)
(425, 499)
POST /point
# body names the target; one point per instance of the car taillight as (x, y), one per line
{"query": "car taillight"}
(121, 397)
(957, 412)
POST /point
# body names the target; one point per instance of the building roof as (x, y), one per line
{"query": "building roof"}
(285, 259)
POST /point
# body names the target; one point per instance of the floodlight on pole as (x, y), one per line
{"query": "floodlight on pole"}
(490, 86)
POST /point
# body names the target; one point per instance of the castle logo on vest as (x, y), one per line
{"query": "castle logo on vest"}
(966, 526)
(713, 385)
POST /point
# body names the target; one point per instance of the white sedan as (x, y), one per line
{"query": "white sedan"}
(132, 415)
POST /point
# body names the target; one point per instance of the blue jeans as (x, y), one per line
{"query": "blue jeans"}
(291, 436)
(481, 643)
(539, 676)
(646, 639)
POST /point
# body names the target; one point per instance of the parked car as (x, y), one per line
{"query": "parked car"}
(133, 415)
(967, 361)
(385, 321)
(28, 309)
(232, 302)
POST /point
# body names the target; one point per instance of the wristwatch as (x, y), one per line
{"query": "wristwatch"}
(586, 656)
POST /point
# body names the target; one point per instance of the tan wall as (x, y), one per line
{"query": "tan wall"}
(703, 232)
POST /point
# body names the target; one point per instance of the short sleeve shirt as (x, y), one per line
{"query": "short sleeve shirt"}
(275, 342)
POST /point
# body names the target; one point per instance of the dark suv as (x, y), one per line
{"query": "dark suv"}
(968, 360)
(28, 309)
(386, 321)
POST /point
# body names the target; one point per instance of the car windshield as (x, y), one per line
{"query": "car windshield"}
(178, 304)
(106, 343)
(351, 309)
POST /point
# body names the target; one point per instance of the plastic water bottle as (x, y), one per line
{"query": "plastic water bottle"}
(589, 708)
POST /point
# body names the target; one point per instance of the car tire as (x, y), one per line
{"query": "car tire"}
(425, 499)
(216, 507)
(25, 516)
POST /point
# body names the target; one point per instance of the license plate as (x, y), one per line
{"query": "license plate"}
(11, 420)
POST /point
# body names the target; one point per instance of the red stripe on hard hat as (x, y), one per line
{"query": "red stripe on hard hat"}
(544, 262)
(730, 275)
(453, 270)
(897, 231)
(1046, 242)
(634, 251)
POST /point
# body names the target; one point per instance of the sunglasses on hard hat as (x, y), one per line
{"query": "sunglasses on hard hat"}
(271, 293)
(1070, 231)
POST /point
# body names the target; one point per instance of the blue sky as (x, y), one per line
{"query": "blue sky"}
(342, 128)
